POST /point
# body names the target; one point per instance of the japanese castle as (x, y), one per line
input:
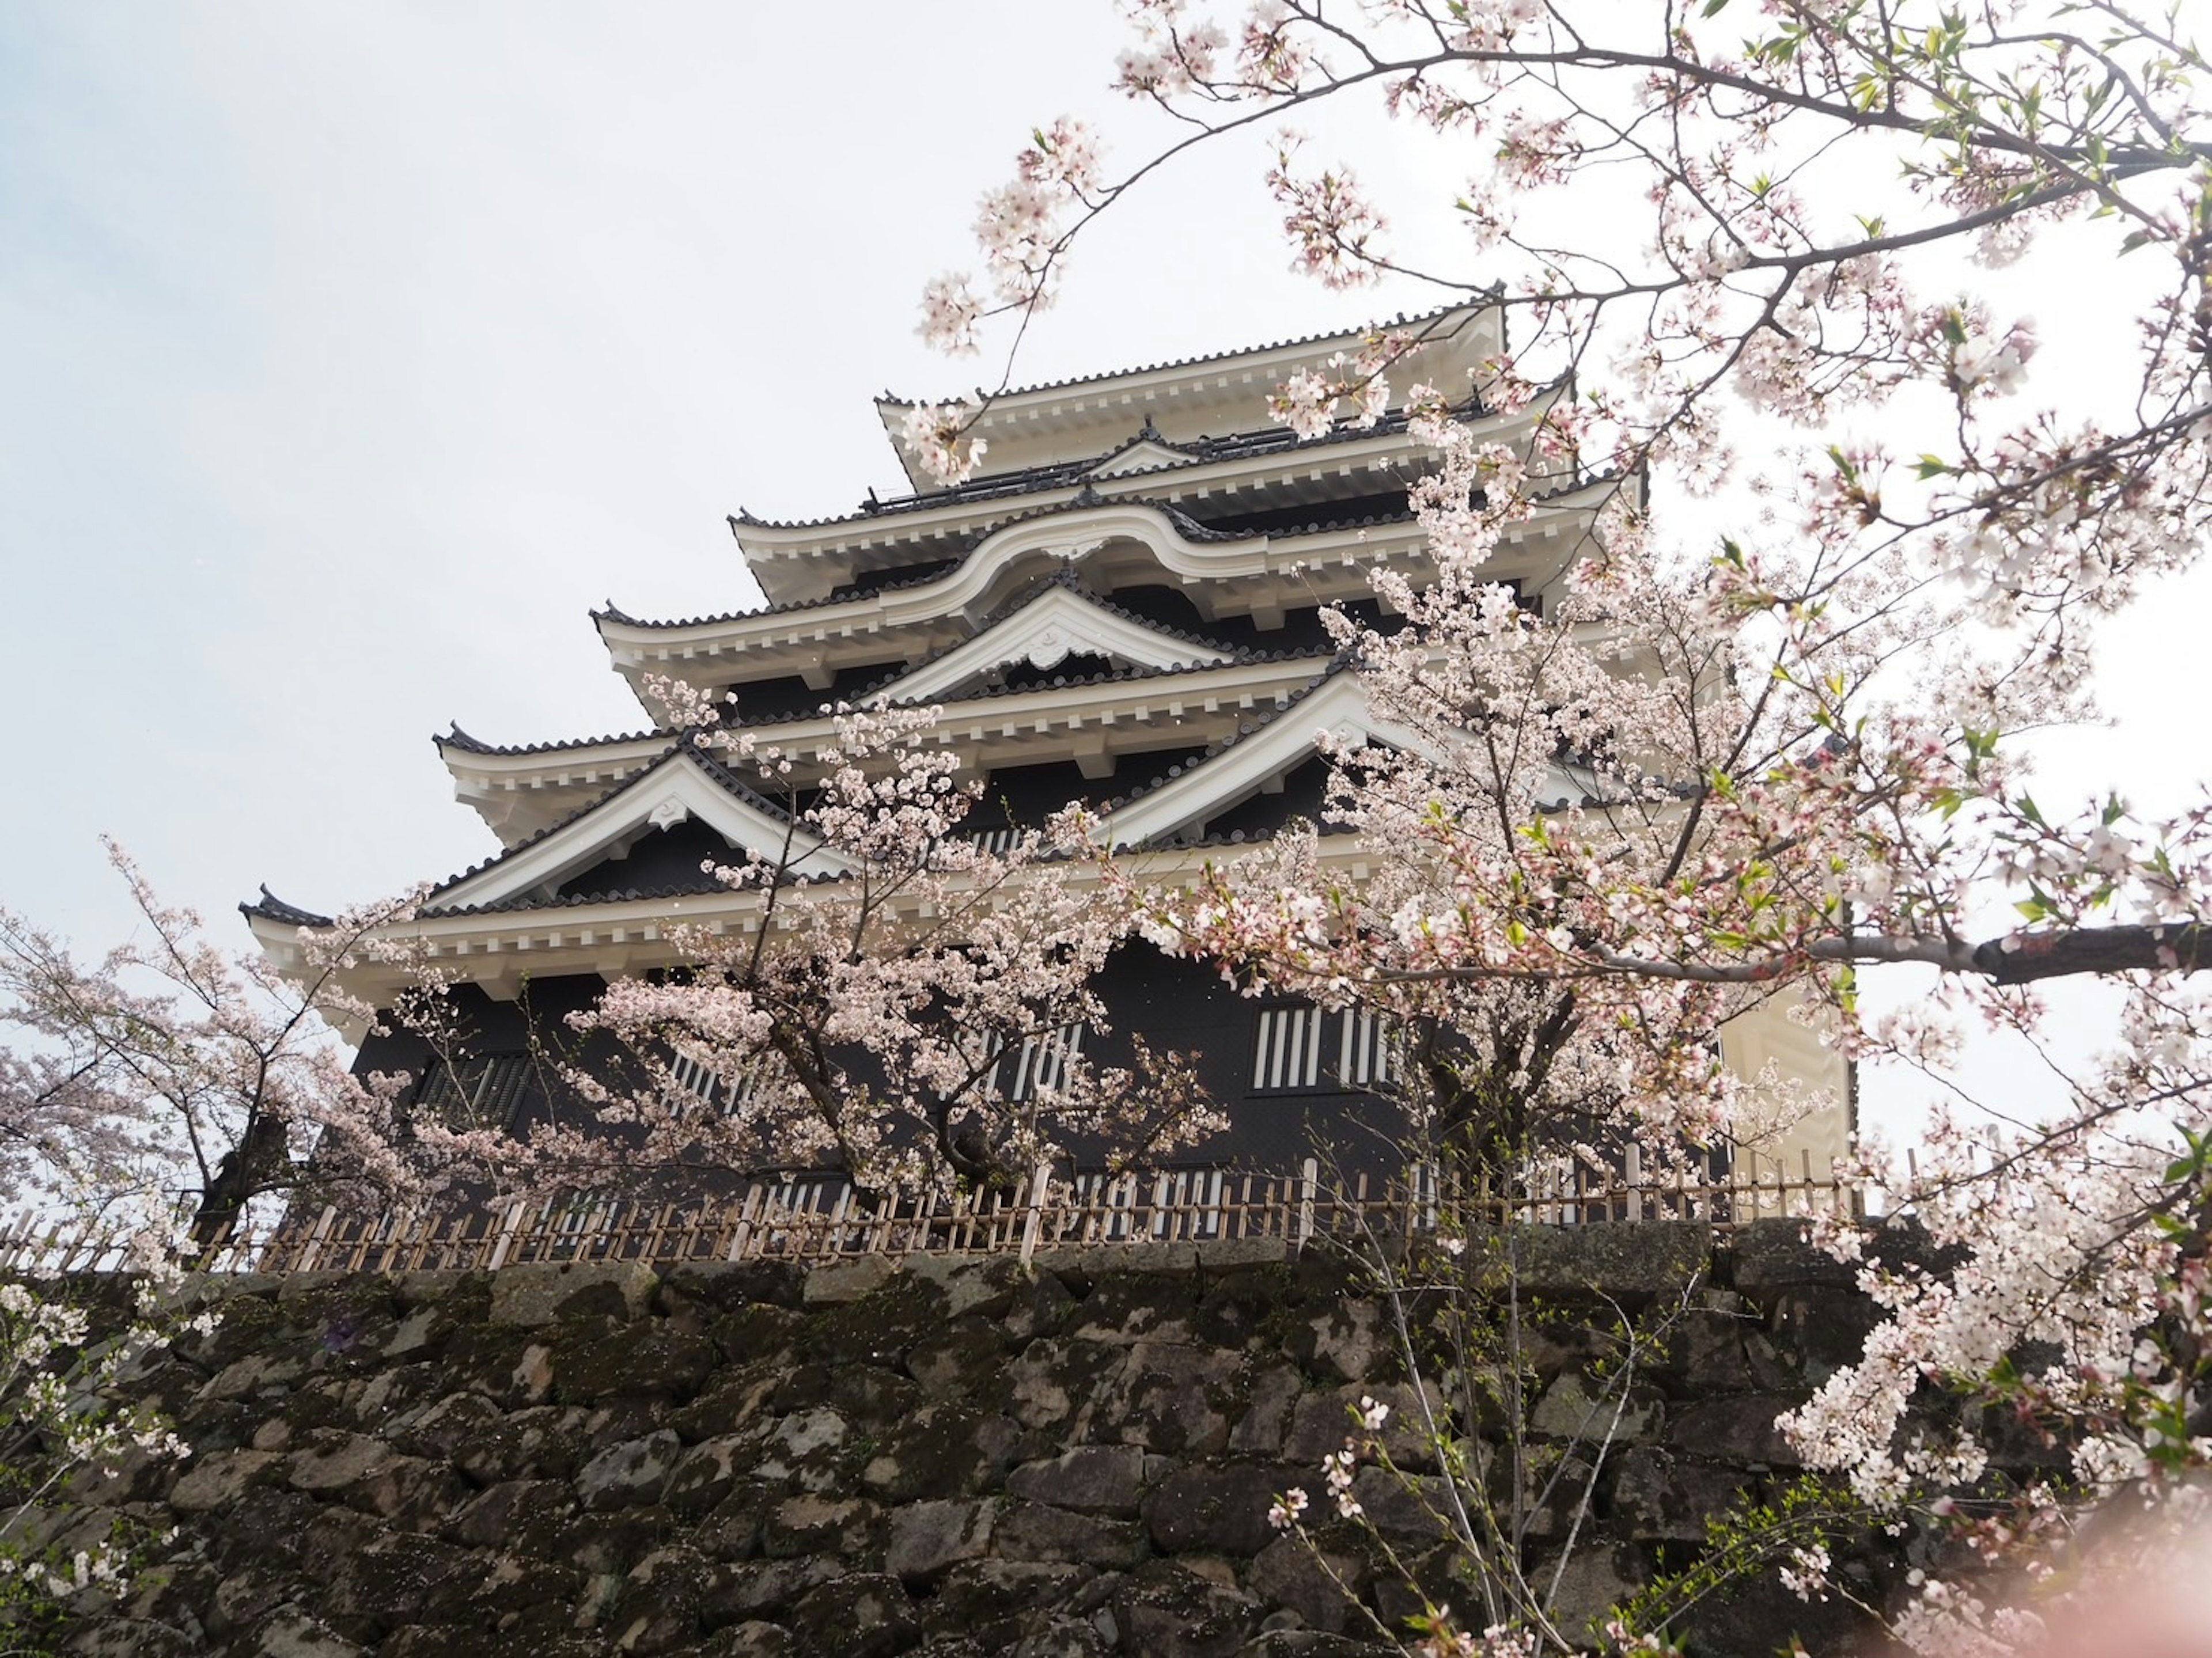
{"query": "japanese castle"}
(1122, 606)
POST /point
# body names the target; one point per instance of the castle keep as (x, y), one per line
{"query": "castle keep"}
(1122, 606)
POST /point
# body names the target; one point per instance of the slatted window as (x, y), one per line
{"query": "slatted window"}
(1038, 1064)
(1363, 1048)
(711, 1087)
(1287, 1052)
(479, 1093)
(1297, 1046)
(996, 842)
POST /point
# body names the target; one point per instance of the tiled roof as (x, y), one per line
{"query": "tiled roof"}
(457, 739)
(1189, 527)
(1402, 320)
(681, 746)
(1062, 577)
(1061, 474)
(272, 908)
(1251, 727)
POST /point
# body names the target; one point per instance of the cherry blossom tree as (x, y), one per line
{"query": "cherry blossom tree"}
(146, 1102)
(173, 1068)
(1799, 729)
(897, 1002)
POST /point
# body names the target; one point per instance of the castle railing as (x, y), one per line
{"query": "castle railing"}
(1045, 1211)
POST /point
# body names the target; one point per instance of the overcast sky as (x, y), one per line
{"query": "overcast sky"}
(350, 353)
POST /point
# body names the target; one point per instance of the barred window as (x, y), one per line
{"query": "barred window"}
(477, 1093)
(1363, 1048)
(1287, 1054)
(1038, 1064)
(1298, 1046)
(996, 842)
(710, 1087)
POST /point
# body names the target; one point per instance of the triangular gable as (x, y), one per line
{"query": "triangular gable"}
(1142, 456)
(686, 785)
(1226, 779)
(1059, 623)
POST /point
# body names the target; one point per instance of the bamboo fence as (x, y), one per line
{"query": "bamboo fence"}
(821, 1221)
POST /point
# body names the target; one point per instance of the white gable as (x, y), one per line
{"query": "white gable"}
(667, 795)
(1140, 457)
(1340, 709)
(1059, 623)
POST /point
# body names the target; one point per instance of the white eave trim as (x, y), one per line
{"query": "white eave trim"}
(1068, 536)
(1045, 632)
(680, 789)
(1340, 709)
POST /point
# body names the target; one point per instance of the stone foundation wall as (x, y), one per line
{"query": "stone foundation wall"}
(955, 1457)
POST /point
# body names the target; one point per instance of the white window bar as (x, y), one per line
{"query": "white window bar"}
(1039, 1064)
(709, 1087)
(1291, 1037)
(1363, 1048)
(486, 1091)
(1286, 1052)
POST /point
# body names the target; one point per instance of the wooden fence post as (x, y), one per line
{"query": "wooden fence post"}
(317, 1237)
(1308, 1177)
(1040, 1183)
(505, 1241)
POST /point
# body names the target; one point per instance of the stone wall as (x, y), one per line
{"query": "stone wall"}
(952, 1457)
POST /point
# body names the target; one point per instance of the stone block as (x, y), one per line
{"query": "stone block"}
(993, 1606)
(812, 1524)
(1571, 1409)
(630, 1474)
(594, 1362)
(761, 1588)
(706, 1473)
(1660, 1497)
(1631, 1262)
(219, 1478)
(1036, 1531)
(1060, 1385)
(754, 1639)
(985, 1285)
(1165, 1611)
(805, 1449)
(1215, 1508)
(1286, 1576)
(1272, 1394)
(1176, 1399)
(292, 1633)
(1738, 1428)
(841, 1281)
(861, 1615)
(939, 1450)
(1106, 1479)
(1593, 1582)
(1411, 1507)
(1345, 1342)
(538, 1293)
(1322, 1422)
(925, 1538)
(331, 1462)
(500, 1515)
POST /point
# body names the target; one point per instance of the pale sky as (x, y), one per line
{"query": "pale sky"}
(350, 353)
